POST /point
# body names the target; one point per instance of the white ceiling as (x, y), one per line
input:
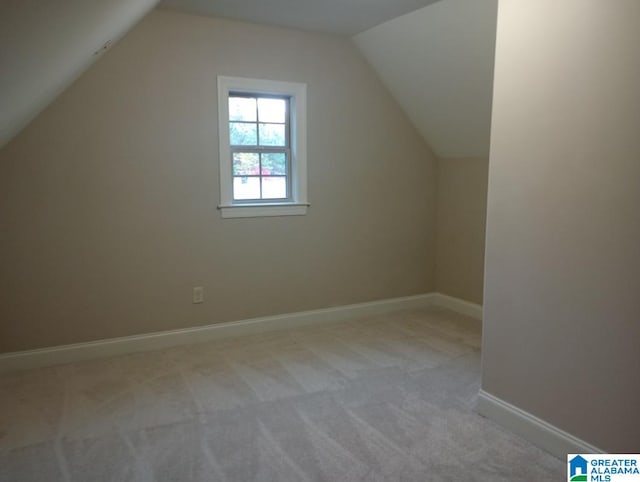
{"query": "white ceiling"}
(437, 60)
(346, 17)
(438, 64)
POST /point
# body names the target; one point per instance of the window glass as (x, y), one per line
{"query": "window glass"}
(274, 164)
(272, 135)
(246, 163)
(272, 110)
(259, 123)
(242, 109)
(245, 188)
(242, 134)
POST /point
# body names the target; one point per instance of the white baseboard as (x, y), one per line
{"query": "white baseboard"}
(463, 307)
(546, 436)
(131, 344)
(164, 339)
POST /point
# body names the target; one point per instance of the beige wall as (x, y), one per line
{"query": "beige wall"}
(562, 287)
(461, 218)
(108, 199)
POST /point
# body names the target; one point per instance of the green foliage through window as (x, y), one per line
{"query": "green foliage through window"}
(259, 138)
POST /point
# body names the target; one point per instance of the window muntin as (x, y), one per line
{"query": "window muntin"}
(260, 145)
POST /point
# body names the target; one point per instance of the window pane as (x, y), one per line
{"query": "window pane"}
(272, 110)
(274, 187)
(246, 163)
(246, 188)
(242, 134)
(242, 109)
(272, 135)
(274, 164)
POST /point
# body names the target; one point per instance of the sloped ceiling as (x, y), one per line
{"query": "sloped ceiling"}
(437, 60)
(346, 17)
(45, 45)
(438, 64)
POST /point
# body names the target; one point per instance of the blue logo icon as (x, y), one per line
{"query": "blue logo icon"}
(578, 469)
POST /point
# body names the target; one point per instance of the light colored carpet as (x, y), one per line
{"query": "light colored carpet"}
(389, 398)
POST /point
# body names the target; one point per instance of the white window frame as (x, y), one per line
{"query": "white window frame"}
(297, 93)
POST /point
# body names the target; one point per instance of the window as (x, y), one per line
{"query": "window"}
(262, 136)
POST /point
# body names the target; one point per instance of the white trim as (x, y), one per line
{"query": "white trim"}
(459, 306)
(298, 112)
(253, 211)
(164, 339)
(546, 436)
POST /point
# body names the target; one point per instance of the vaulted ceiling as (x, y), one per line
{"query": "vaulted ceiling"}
(438, 64)
(47, 44)
(346, 17)
(435, 56)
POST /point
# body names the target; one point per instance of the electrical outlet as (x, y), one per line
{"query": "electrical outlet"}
(198, 294)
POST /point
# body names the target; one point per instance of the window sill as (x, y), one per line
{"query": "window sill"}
(260, 210)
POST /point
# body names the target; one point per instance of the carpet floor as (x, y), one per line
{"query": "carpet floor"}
(386, 398)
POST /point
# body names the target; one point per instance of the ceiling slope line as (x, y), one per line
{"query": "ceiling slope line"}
(48, 45)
